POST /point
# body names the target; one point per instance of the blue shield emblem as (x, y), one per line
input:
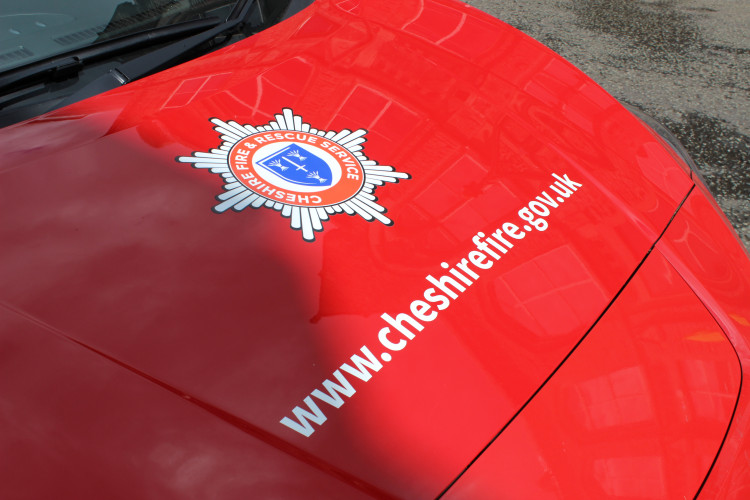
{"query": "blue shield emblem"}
(298, 165)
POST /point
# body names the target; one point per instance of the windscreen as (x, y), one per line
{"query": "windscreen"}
(32, 30)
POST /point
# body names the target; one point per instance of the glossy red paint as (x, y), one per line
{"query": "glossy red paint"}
(703, 248)
(639, 410)
(110, 243)
(93, 428)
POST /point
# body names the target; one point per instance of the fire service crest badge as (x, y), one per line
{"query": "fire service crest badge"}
(304, 173)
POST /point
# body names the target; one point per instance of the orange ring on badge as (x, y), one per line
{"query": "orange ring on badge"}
(243, 159)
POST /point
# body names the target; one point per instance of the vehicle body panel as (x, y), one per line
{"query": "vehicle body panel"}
(111, 242)
(639, 410)
(709, 256)
(92, 428)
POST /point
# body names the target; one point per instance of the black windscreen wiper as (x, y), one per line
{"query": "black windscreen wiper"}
(46, 85)
(190, 35)
(161, 58)
(62, 67)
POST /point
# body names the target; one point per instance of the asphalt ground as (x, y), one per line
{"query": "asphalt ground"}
(684, 62)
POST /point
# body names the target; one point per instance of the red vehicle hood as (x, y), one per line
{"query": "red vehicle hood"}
(335, 349)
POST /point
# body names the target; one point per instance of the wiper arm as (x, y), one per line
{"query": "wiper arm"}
(158, 59)
(61, 68)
